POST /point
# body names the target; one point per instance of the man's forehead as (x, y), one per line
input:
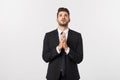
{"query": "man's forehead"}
(63, 12)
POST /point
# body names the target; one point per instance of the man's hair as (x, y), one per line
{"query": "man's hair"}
(63, 9)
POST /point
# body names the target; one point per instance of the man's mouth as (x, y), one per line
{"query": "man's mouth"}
(63, 20)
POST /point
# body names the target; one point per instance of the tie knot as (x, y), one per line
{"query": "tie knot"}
(61, 33)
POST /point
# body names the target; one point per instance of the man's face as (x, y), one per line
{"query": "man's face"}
(63, 18)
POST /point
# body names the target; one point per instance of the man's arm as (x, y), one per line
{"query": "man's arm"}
(77, 55)
(48, 54)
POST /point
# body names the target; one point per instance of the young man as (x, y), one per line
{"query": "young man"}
(63, 49)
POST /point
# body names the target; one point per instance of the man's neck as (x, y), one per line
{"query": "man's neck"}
(62, 28)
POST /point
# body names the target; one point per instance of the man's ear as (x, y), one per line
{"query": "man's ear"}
(69, 20)
(56, 19)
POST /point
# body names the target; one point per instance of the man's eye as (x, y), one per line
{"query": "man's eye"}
(60, 15)
(65, 15)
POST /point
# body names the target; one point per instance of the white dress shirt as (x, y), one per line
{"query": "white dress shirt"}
(66, 34)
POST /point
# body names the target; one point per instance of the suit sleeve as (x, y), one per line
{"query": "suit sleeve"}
(48, 54)
(77, 54)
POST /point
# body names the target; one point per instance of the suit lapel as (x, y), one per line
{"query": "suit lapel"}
(56, 37)
(69, 37)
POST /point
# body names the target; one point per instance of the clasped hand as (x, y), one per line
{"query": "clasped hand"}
(63, 43)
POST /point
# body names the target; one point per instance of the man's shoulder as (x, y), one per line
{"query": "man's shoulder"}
(51, 32)
(74, 32)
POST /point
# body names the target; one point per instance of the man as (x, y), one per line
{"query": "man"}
(63, 49)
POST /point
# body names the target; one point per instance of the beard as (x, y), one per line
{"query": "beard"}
(63, 24)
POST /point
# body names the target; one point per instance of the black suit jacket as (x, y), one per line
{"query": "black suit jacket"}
(74, 57)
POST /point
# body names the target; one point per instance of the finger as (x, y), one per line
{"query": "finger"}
(63, 33)
(64, 39)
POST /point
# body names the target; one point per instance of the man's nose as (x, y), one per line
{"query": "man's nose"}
(63, 17)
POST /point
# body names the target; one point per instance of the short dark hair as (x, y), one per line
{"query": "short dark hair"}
(63, 9)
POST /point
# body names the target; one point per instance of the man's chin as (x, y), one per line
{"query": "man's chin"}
(63, 25)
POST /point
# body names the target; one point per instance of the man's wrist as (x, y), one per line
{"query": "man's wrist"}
(67, 50)
(58, 50)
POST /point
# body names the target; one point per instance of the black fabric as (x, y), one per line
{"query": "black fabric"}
(62, 77)
(63, 63)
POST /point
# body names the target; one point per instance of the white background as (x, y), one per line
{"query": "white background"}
(23, 24)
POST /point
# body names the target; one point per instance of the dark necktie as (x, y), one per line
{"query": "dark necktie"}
(63, 61)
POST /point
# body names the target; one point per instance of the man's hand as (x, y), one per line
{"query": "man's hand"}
(63, 42)
(60, 46)
(65, 46)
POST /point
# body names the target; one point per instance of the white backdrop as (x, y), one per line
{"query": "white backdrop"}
(23, 24)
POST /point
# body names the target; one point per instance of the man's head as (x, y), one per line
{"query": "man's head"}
(63, 16)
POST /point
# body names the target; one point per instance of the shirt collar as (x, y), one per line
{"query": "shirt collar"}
(65, 31)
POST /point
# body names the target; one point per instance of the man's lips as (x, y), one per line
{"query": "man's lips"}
(63, 20)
